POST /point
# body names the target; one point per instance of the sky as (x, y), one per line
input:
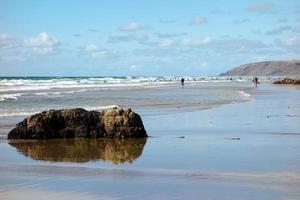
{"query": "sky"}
(144, 38)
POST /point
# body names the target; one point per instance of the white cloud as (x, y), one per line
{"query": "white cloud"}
(168, 21)
(42, 44)
(204, 65)
(91, 47)
(292, 41)
(43, 39)
(128, 38)
(198, 20)
(134, 67)
(170, 35)
(131, 26)
(241, 21)
(262, 8)
(167, 42)
(6, 41)
(225, 45)
(103, 53)
(93, 51)
(189, 41)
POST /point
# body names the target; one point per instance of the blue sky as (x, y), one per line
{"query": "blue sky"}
(127, 38)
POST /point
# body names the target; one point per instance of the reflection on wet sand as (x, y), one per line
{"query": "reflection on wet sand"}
(116, 151)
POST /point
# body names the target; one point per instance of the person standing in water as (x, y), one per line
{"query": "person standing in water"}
(255, 80)
(182, 82)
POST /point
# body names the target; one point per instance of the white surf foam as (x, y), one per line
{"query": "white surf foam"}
(99, 107)
(16, 114)
(4, 97)
(27, 113)
(245, 96)
(32, 84)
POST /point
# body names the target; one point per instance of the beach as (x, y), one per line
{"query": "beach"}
(214, 138)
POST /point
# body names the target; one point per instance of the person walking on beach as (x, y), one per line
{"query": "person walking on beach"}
(182, 82)
(255, 80)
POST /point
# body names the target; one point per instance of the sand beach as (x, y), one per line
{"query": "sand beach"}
(243, 144)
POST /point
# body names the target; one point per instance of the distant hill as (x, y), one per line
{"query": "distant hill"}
(266, 68)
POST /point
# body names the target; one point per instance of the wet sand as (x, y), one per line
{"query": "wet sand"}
(237, 151)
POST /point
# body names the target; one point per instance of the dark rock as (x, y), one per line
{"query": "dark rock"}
(288, 81)
(74, 123)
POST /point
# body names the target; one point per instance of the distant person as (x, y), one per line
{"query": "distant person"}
(255, 80)
(182, 82)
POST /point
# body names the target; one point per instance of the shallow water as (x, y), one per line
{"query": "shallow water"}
(243, 150)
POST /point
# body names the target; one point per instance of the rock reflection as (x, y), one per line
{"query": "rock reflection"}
(117, 151)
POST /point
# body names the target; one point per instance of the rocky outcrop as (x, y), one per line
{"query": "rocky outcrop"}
(75, 123)
(288, 81)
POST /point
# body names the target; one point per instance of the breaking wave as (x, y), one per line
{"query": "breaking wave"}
(33, 84)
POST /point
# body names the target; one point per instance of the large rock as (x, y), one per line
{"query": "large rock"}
(72, 123)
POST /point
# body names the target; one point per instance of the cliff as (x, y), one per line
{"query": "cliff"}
(266, 68)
